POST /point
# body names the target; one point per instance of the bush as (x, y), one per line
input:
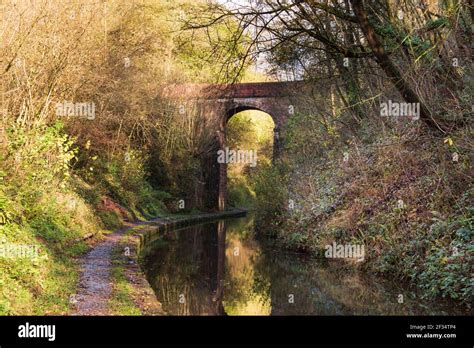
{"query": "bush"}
(270, 186)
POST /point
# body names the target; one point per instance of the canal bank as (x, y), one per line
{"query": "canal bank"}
(111, 281)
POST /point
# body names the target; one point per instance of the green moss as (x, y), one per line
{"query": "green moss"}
(121, 301)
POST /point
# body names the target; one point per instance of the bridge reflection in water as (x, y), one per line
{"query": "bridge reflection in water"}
(220, 269)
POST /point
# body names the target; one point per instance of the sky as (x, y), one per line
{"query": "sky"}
(260, 66)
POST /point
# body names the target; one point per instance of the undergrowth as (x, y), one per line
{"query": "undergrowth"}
(409, 202)
(48, 210)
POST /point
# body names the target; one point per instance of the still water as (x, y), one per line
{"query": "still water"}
(220, 269)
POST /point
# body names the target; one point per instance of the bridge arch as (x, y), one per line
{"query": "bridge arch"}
(277, 99)
(230, 111)
(255, 105)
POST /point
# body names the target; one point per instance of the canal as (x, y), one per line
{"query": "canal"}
(220, 268)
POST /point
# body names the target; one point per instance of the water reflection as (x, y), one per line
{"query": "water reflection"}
(220, 269)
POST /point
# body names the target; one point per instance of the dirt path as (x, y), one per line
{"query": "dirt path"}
(95, 286)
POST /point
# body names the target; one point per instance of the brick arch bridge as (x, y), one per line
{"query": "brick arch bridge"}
(278, 99)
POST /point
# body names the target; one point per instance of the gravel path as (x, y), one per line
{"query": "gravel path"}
(95, 286)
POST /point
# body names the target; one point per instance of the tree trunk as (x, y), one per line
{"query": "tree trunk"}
(390, 69)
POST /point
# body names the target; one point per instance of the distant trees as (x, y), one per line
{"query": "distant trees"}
(417, 45)
(117, 56)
